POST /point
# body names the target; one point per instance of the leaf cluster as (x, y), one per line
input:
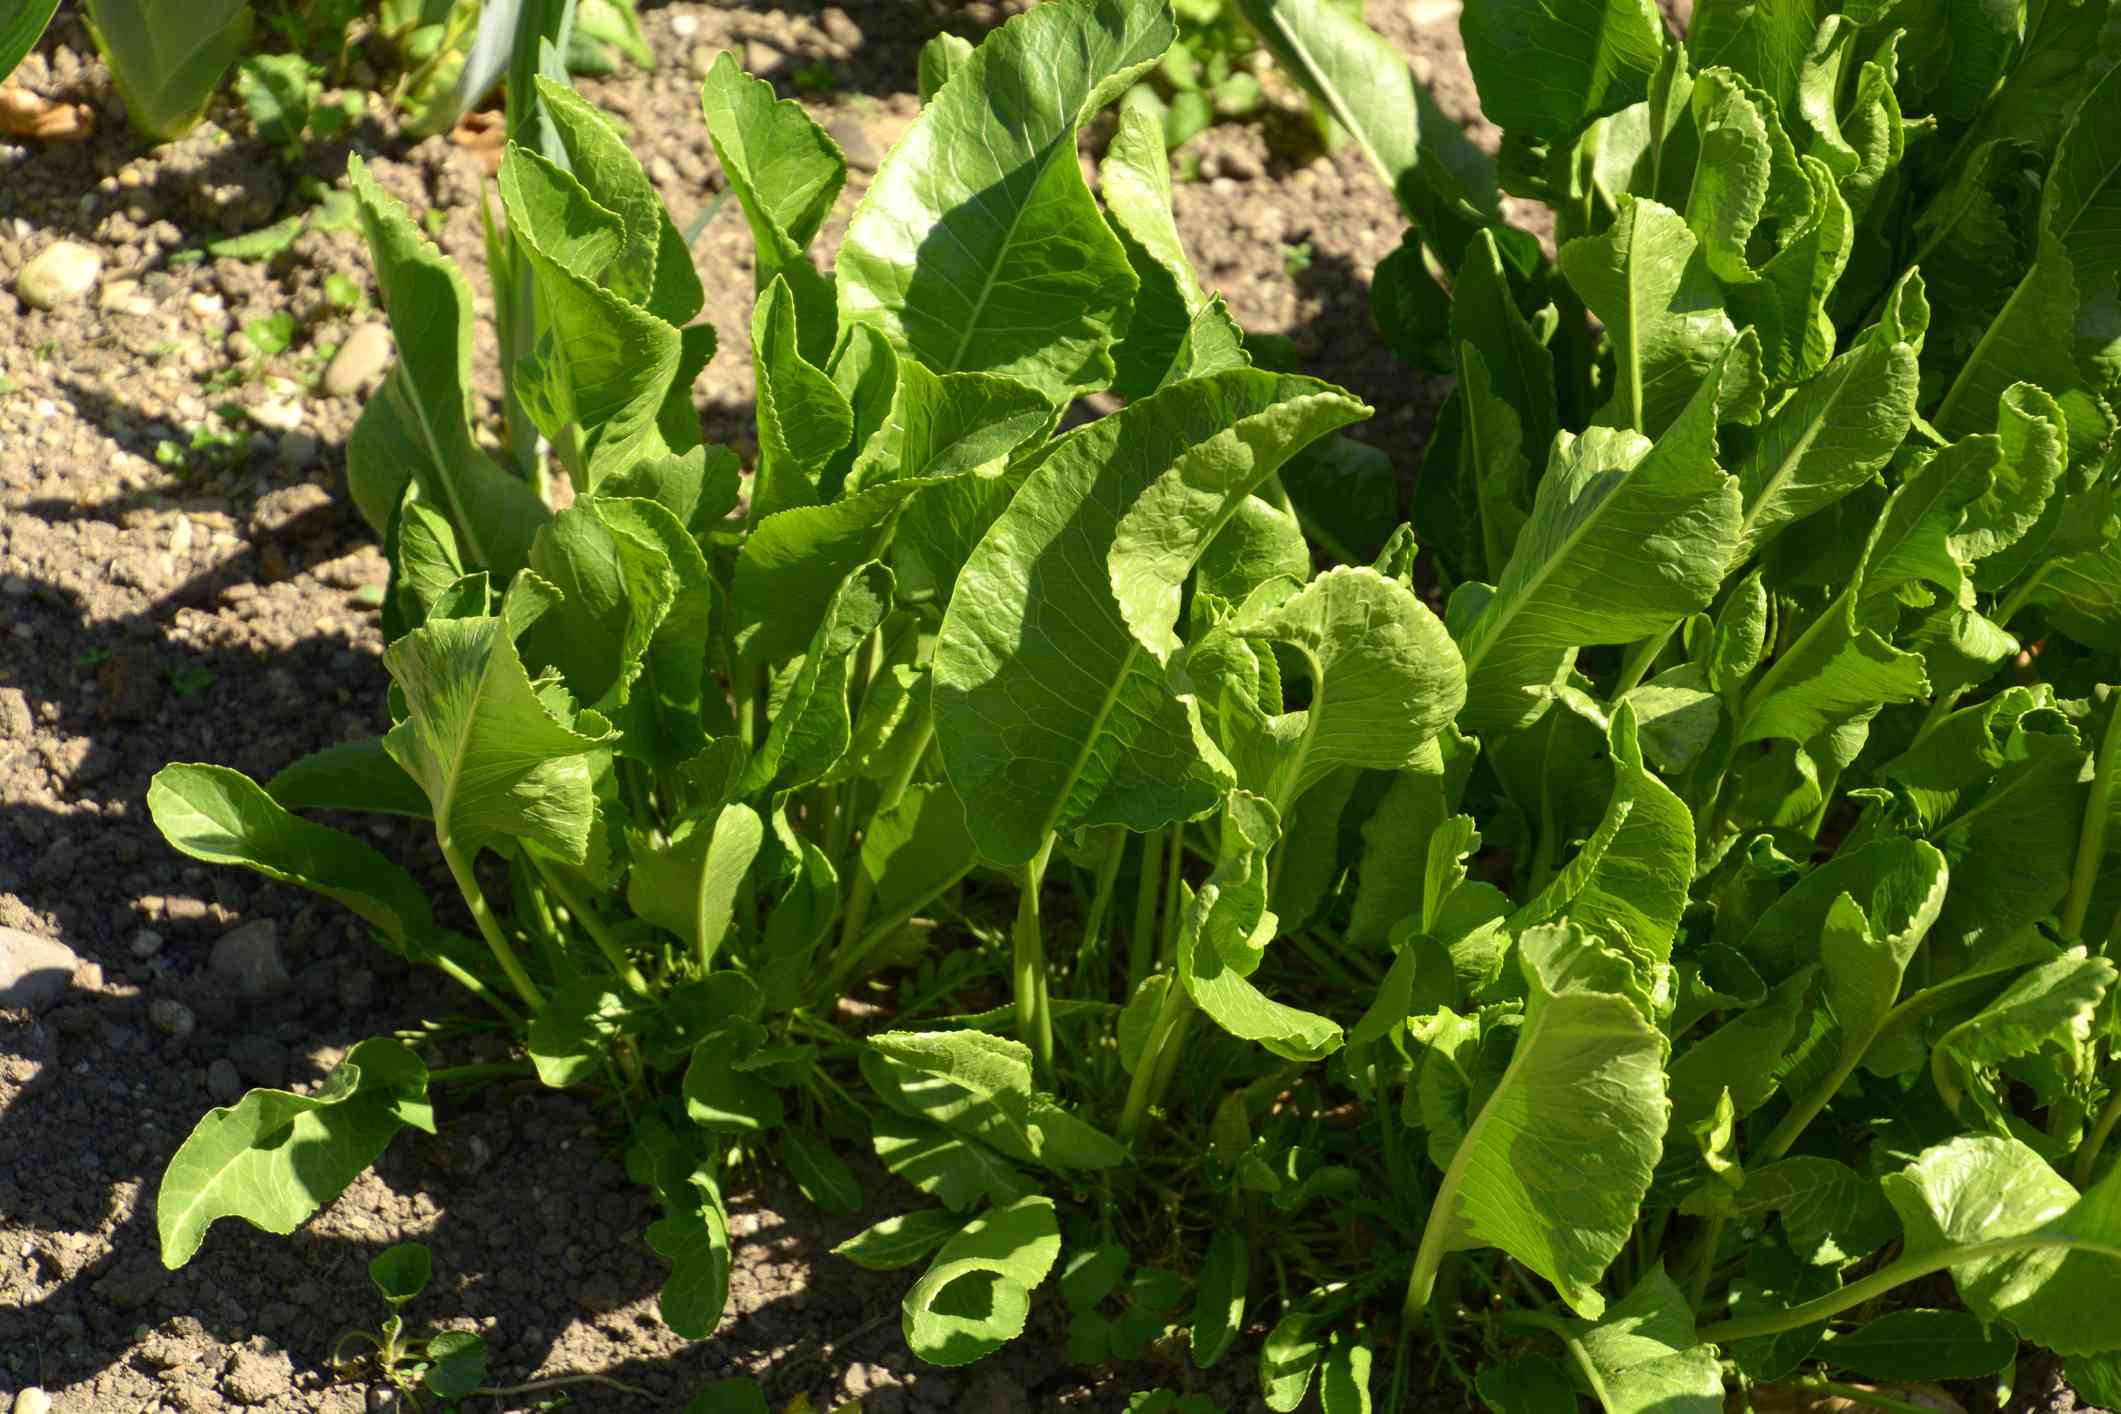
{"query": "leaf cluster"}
(1614, 934)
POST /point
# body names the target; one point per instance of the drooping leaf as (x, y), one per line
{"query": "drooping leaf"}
(275, 1157)
(976, 1294)
(1555, 1165)
(1924, 1345)
(1049, 710)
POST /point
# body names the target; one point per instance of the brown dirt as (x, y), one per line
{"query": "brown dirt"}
(162, 603)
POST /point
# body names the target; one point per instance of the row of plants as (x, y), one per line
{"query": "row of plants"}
(169, 61)
(1620, 936)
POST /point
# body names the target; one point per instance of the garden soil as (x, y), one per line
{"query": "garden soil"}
(180, 581)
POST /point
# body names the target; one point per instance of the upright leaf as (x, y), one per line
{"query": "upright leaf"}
(1547, 69)
(978, 247)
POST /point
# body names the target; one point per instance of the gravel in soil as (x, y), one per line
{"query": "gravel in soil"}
(179, 581)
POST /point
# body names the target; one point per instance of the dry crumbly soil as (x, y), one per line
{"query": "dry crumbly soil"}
(179, 581)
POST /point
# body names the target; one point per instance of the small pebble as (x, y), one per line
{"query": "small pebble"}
(224, 1082)
(33, 1401)
(172, 1018)
(360, 360)
(248, 960)
(58, 275)
(34, 971)
(684, 26)
(146, 943)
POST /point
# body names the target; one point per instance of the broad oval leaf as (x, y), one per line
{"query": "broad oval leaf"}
(976, 1294)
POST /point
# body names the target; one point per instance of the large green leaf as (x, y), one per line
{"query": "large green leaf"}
(976, 1294)
(1625, 538)
(1049, 709)
(221, 816)
(351, 775)
(653, 268)
(2064, 1290)
(688, 882)
(418, 425)
(494, 762)
(1664, 317)
(2050, 1006)
(786, 172)
(1546, 69)
(978, 247)
(1554, 1167)
(166, 61)
(275, 1157)
(694, 1237)
(1646, 1355)
(803, 418)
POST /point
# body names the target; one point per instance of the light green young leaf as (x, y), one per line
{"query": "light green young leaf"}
(694, 1238)
(1664, 317)
(1590, 58)
(275, 1157)
(976, 1294)
(803, 418)
(1625, 539)
(221, 816)
(596, 380)
(659, 719)
(947, 425)
(786, 172)
(1743, 157)
(614, 591)
(688, 883)
(1226, 930)
(1554, 1167)
(2052, 1005)
(494, 762)
(418, 425)
(1629, 881)
(1384, 680)
(978, 247)
(1787, 305)
(1049, 711)
(1837, 672)
(2064, 1293)
(941, 58)
(1830, 437)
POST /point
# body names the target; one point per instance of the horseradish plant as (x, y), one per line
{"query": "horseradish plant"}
(1621, 984)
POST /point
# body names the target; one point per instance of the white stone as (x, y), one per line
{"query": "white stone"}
(60, 274)
(684, 26)
(34, 971)
(360, 360)
(33, 1401)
